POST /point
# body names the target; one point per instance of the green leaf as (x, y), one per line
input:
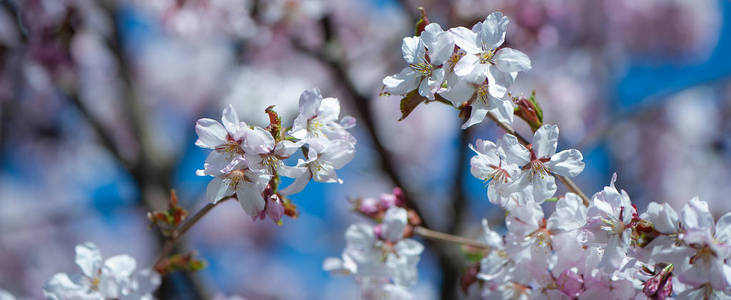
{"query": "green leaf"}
(539, 111)
(554, 199)
(474, 256)
(409, 103)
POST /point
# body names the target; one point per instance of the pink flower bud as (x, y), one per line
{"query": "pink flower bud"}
(387, 201)
(368, 206)
(570, 283)
(378, 230)
(274, 209)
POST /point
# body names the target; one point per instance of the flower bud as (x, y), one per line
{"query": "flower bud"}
(570, 283)
(529, 110)
(660, 286)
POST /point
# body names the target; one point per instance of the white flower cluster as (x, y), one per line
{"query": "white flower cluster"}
(246, 161)
(114, 278)
(607, 251)
(508, 166)
(462, 65)
(382, 261)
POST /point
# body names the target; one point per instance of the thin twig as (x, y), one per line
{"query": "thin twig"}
(180, 231)
(338, 68)
(566, 181)
(437, 235)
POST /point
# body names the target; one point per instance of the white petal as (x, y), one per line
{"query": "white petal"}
(545, 140)
(477, 114)
(439, 43)
(258, 141)
(498, 81)
(459, 92)
(723, 229)
(360, 236)
(492, 31)
(695, 215)
(544, 187)
(210, 133)
(394, 223)
(120, 266)
(510, 60)
(566, 163)
(515, 152)
(286, 148)
(249, 195)
(299, 183)
(466, 65)
(503, 109)
(88, 258)
(663, 217)
(412, 49)
(329, 110)
(61, 287)
(218, 189)
(466, 39)
(230, 119)
(402, 83)
(338, 154)
(570, 214)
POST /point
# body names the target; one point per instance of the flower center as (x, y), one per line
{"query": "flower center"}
(423, 68)
(314, 126)
(486, 57)
(482, 92)
(704, 253)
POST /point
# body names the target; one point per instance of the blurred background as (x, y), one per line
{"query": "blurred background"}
(98, 101)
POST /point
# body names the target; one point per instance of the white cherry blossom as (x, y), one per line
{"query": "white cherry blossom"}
(318, 118)
(541, 161)
(113, 278)
(323, 158)
(483, 59)
(425, 56)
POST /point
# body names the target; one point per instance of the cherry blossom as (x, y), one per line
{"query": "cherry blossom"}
(540, 161)
(426, 56)
(113, 278)
(484, 60)
(318, 117)
(379, 257)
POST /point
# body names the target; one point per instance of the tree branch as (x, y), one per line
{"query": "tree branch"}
(180, 231)
(437, 235)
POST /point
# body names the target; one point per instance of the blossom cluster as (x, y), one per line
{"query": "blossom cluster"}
(247, 161)
(462, 65)
(381, 257)
(606, 250)
(113, 278)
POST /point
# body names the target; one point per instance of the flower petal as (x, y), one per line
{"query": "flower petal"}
(514, 151)
(545, 140)
(510, 60)
(492, 30)
(566, 163)
(210, 133)
(466, 39)
(88, 258)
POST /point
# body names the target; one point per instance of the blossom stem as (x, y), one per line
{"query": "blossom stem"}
(437, 235)
(565, 180)
(180, 231)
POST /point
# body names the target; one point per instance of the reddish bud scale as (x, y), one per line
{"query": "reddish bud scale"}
(469, 277)
(528, 111)
(422, 22)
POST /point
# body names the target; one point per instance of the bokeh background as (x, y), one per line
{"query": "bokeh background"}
(98, 101)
